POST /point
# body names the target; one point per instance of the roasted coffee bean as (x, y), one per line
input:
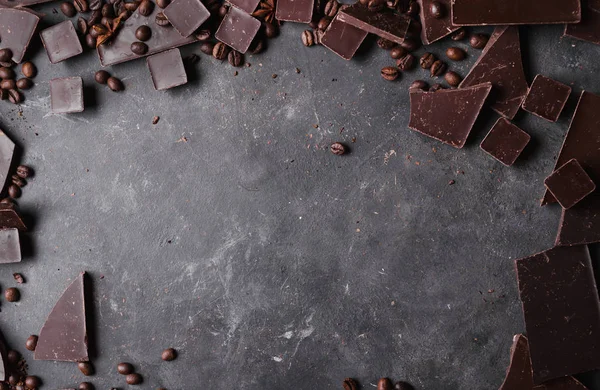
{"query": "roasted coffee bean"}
(436, 10)
(337, 148)
(257, 46)
(13, 357)
(375, 5)
(436, 87)
(220, 51)
(406, 63)
(452, 78)
(390, 73)
(131, 6)
(31, 342)
(8, 84)
(146, 7)
(24, 171)
(14, 379)
(82, 25)
(97, 30)
(5, 55)
(478, 41)
(124, 368)
(7, 73)
(15, 96)
(16, 180)
(413, 9)
(223, 10)
(459, 34)
(17, 276)
(455, 53)
(101, 76)
(12, 294)
(308, 38)
(81, 5)
(86, 368)
(163, 3)
(438, 68)
(94, 18)
(169, 353)
(235, 58)
(95, 4)
(397, 52)
(161, 20)
(139, 48)
(418, 84)
(3, 94)
(86, 386)
(385, 44)
(108, 11)
(324, 23)
(427, 60)
(403, 386)
(134, 379)
(14, 191)
(392, 4)
(90, 41)
(68, 9)
(350, 384)
(331, 8)
(115, 84)
(107, 22)
(32, 382)
(384, 384)
(203, 35)
(207, 48)
(271, 30)
(411, 44)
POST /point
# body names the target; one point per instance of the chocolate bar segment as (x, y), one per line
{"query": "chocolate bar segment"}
(238, 29)
(386, 24)
(589, 27)
(300, 11)
(186, 15)
(435, 28)
(7, 151)
(546, 98)
(581, 223)
(167, 69)
(16, 30)
(505, 142)
(561, 310)
(510, 12)
(342, 38)
(9, 218)
(569, 184)
(500, 63)
(61, 41)
(566, 383)
(66, 95)
(10, 246)
(519, 374)
(447, 115)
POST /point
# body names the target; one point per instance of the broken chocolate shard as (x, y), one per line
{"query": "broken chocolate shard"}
(589, 27)
(386, 24)
(546, 98)
(186, 15)
(342, 38)
(505, 142)
(64, 334)
(238, 29)
(300, 11)
(167, 69)
(569, 184)
(500, 63)
(581, 223)
(510, 12)
(561, 310)
(10, 246)
(435, 28)
(7, 151)
(447, 115)
(9, 218)
(519, 374)
(17, 27)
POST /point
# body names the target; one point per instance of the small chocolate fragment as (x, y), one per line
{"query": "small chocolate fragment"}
(389, 25)
(125, 368)
(10, 246)
(169, 354)
(16, 30)
(342, 38)
(186, 15)
(66, 95)
(31, 342)
(546, 98)
(12, 294)
(9, 218)
(61, 41)
(300, 11)
(68, 9)
(337, 148)
(245, 5)
(238, 29)
(167, 69)
(505, 142)
(569, 184)
(18, 278)
(435, 28)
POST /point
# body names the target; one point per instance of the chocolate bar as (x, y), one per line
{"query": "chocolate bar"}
(435, 27)
(300, 11)
(389, 25)
(16, 30)
(245, 5)
(581, 223)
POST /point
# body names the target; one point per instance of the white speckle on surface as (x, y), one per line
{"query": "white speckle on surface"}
(277, 359)
(287, 335)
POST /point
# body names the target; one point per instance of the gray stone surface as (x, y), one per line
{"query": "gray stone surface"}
(229, 232)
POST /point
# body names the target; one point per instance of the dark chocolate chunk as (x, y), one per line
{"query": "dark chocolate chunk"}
(9, 218)
(64, 334)
(566, 383)
(447, 115)
(561, 311)
(300, 11)
(61, 41)
(10, 247)
(507, 12)
(16, 30)
(389, 25)
(505, 142)
(186, 15)
(66, 95)
(569, 184)
(589, 27)
(245, 5)
(581, 223)
(167, 69)
(546, 98)
(342, 38)
(500, 63)
(7, 150)
(238, 29)
(519, 374)
(434, 28)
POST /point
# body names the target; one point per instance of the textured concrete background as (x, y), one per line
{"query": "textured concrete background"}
(229, 232)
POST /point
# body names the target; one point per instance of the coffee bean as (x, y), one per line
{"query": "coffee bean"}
(169, 354)
(94, 18)
(3, 94)
(403, 386)
(411, 44)
(161, 20)
(384, 384)
(459, 34)
(406, 63)
(453, 78)
(436, 10)
(107, 22)
(257, 46)
(223, 10)
(134, 379)
(108, 11)
(24, 83)
(331, 8)
(203, 35)
(7, 73)
(271, 30)
(455, 53)
(5, 55)
(95, 4)
(390, 73)
(146, 7)
(375, 5)
(385, 44)
(86, 386)
(436, 87)
(86, 368)
(124, 368)
(427, 60)
(324, 23)
(101, 76)
(14, 379)
(235, 58)
(115, 84)
(68, 9)
(12, 294)
(80, 5)
(32, 382)
(16, 180)
(90, 41)
(132, 6)
(438, 68)
(207, 48)
(13, 357)
(337, 148)
(8, 84)
(163, 3)
(14, 97)
(418, 84)
(98, 30)
(24, 171)
(397, 52)
(31, 342)
(220, 51)
(17, 276)
(478, 41)
(308, 38)
(413, 9)
(350, 384)
(82, 25)
(139, 48)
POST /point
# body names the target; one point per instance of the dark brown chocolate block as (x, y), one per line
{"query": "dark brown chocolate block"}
(61, 41)
(589, 27)
(238, 29)
(16, 30)
(300, 11)
(447, 115)
(566, 383)
(546, 98)
(186, 15)
(21, 3)
(10, 246)
(66, 95)
(569, 184)
(64, 334)
(505, 142)
(501, 64)
(245, 5)
(342, 38)
(7, 151)
(581, 223)
(167, 69)
(435, 28)
(507, 12)
(389, 25)
(519, 374)
(9, 218)
(561, 311)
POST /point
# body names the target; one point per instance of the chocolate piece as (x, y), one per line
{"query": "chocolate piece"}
(7, 150)
(300, 11)
(64, 334)
(10, 247)
(119, 48)
(238, 29)
(167, 69)
(500, 63)
(245, 5)
(386, 24)
(566, 383)
(589, 27)
(66, 95)
(519, 374)
(447, 115)
(582, 141)
(561, 311)
(16, 29)
(507, 12)
(581, 223)
(343, 39)
(569, 184)
(434, 28)
(21, 3)
(505, 142)
(61, 41)
(546, 98)
(186, 15)
(9, 218)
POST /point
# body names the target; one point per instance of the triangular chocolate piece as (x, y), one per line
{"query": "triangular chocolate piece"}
(386, 24)
(447, 115)
(435, 27)
(9, 218)
(519, 374)
(7, 150)
(64, 334)
(500, 63)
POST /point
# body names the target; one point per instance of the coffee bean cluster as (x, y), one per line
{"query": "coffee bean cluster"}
(131, 377)
(11, 85)
(17, 182)
(103, 77)
(16, 373)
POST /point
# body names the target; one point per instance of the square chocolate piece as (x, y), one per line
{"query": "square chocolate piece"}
(10, 247)
(300, 11)
(245, 5)
(238, 29)
(186, 15)
(546, 98)
(505, 142)
(61, 41)
(17, 27)
(66, 95)
(570, 184)
(342, 38)
(167, 69)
